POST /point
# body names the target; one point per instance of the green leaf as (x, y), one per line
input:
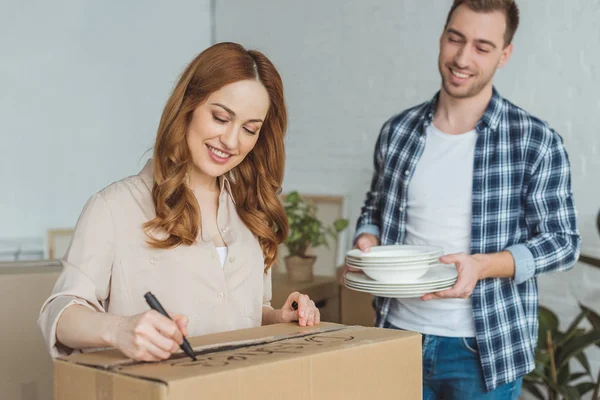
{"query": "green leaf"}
(577, 375)
(575, 346)
(340, 225)
(572, 329)
(292, 198)
(547, 321)
(592, 316)
(597, 388)
(534, 390)
(551, 385)
(532, 377)
(563, 375)
(583, 360)
(585, 387)
(542, 357)
(537, 373)
(295, 236)
(571, 393)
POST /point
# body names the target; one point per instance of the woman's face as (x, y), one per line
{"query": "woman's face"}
(225, 128)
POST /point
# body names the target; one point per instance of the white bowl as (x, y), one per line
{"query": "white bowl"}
(403, 251)
(396, 275)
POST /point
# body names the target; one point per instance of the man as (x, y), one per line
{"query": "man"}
(480, 177)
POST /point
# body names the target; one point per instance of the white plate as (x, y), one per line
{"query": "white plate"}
(386, 260)
(399, 287)
(396, 251)
(384, 285)
(395, 292)
(434, 275)
(398, 274)
(400, 295)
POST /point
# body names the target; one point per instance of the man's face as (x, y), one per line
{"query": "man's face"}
(471, 50)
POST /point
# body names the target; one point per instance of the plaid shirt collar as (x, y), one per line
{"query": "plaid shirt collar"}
(491, 117)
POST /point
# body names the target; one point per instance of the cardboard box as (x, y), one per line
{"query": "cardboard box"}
(25, 365)
(356, 308)
(282, 361)
(323, 290)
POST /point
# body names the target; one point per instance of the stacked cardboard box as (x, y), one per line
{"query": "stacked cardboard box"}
(25, 366)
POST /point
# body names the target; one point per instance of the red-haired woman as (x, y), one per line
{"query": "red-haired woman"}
(199, 226)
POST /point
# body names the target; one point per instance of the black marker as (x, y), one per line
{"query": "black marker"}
(155, 305)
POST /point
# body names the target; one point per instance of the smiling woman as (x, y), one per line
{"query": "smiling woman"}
(214, 118)
(199, 226)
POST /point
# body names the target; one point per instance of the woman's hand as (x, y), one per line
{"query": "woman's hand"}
(149, 336)
(307, 314)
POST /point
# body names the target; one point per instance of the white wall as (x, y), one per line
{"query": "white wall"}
(347, 66)
(83, 84)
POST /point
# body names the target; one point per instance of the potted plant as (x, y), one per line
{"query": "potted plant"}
(306, 232)
(552, 377)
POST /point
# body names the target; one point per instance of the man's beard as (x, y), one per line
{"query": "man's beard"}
(472, 90)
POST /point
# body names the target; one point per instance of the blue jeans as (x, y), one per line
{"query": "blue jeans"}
(452, 371)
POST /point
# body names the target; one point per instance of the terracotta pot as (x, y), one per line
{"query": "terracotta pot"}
(300, 269)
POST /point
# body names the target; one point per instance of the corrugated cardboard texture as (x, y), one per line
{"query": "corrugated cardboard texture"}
(276, 362)
(25, 365)
(77, 382)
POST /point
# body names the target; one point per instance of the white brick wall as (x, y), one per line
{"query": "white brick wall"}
(349, 65)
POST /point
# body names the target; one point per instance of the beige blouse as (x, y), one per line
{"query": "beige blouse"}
(109, 266)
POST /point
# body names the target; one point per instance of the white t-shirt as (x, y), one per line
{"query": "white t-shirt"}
(222, 254)
(439, 213)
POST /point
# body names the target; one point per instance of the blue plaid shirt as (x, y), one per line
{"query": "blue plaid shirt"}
(522, 202)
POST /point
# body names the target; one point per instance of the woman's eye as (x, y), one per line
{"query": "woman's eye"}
(219, 120)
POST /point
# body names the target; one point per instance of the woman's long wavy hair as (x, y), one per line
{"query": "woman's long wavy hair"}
(255, 182)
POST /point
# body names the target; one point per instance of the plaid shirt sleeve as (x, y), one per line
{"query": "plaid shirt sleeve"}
(370, 215)
(550, 216)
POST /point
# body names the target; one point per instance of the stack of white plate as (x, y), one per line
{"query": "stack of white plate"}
(399, 271)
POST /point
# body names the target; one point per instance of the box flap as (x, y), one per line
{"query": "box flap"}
(109, 358)
(241, 349)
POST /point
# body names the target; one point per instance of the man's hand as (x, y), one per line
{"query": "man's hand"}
(469, 270)
(364, 242)
(473, 268)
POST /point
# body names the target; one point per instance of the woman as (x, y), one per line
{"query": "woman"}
(199, 226)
